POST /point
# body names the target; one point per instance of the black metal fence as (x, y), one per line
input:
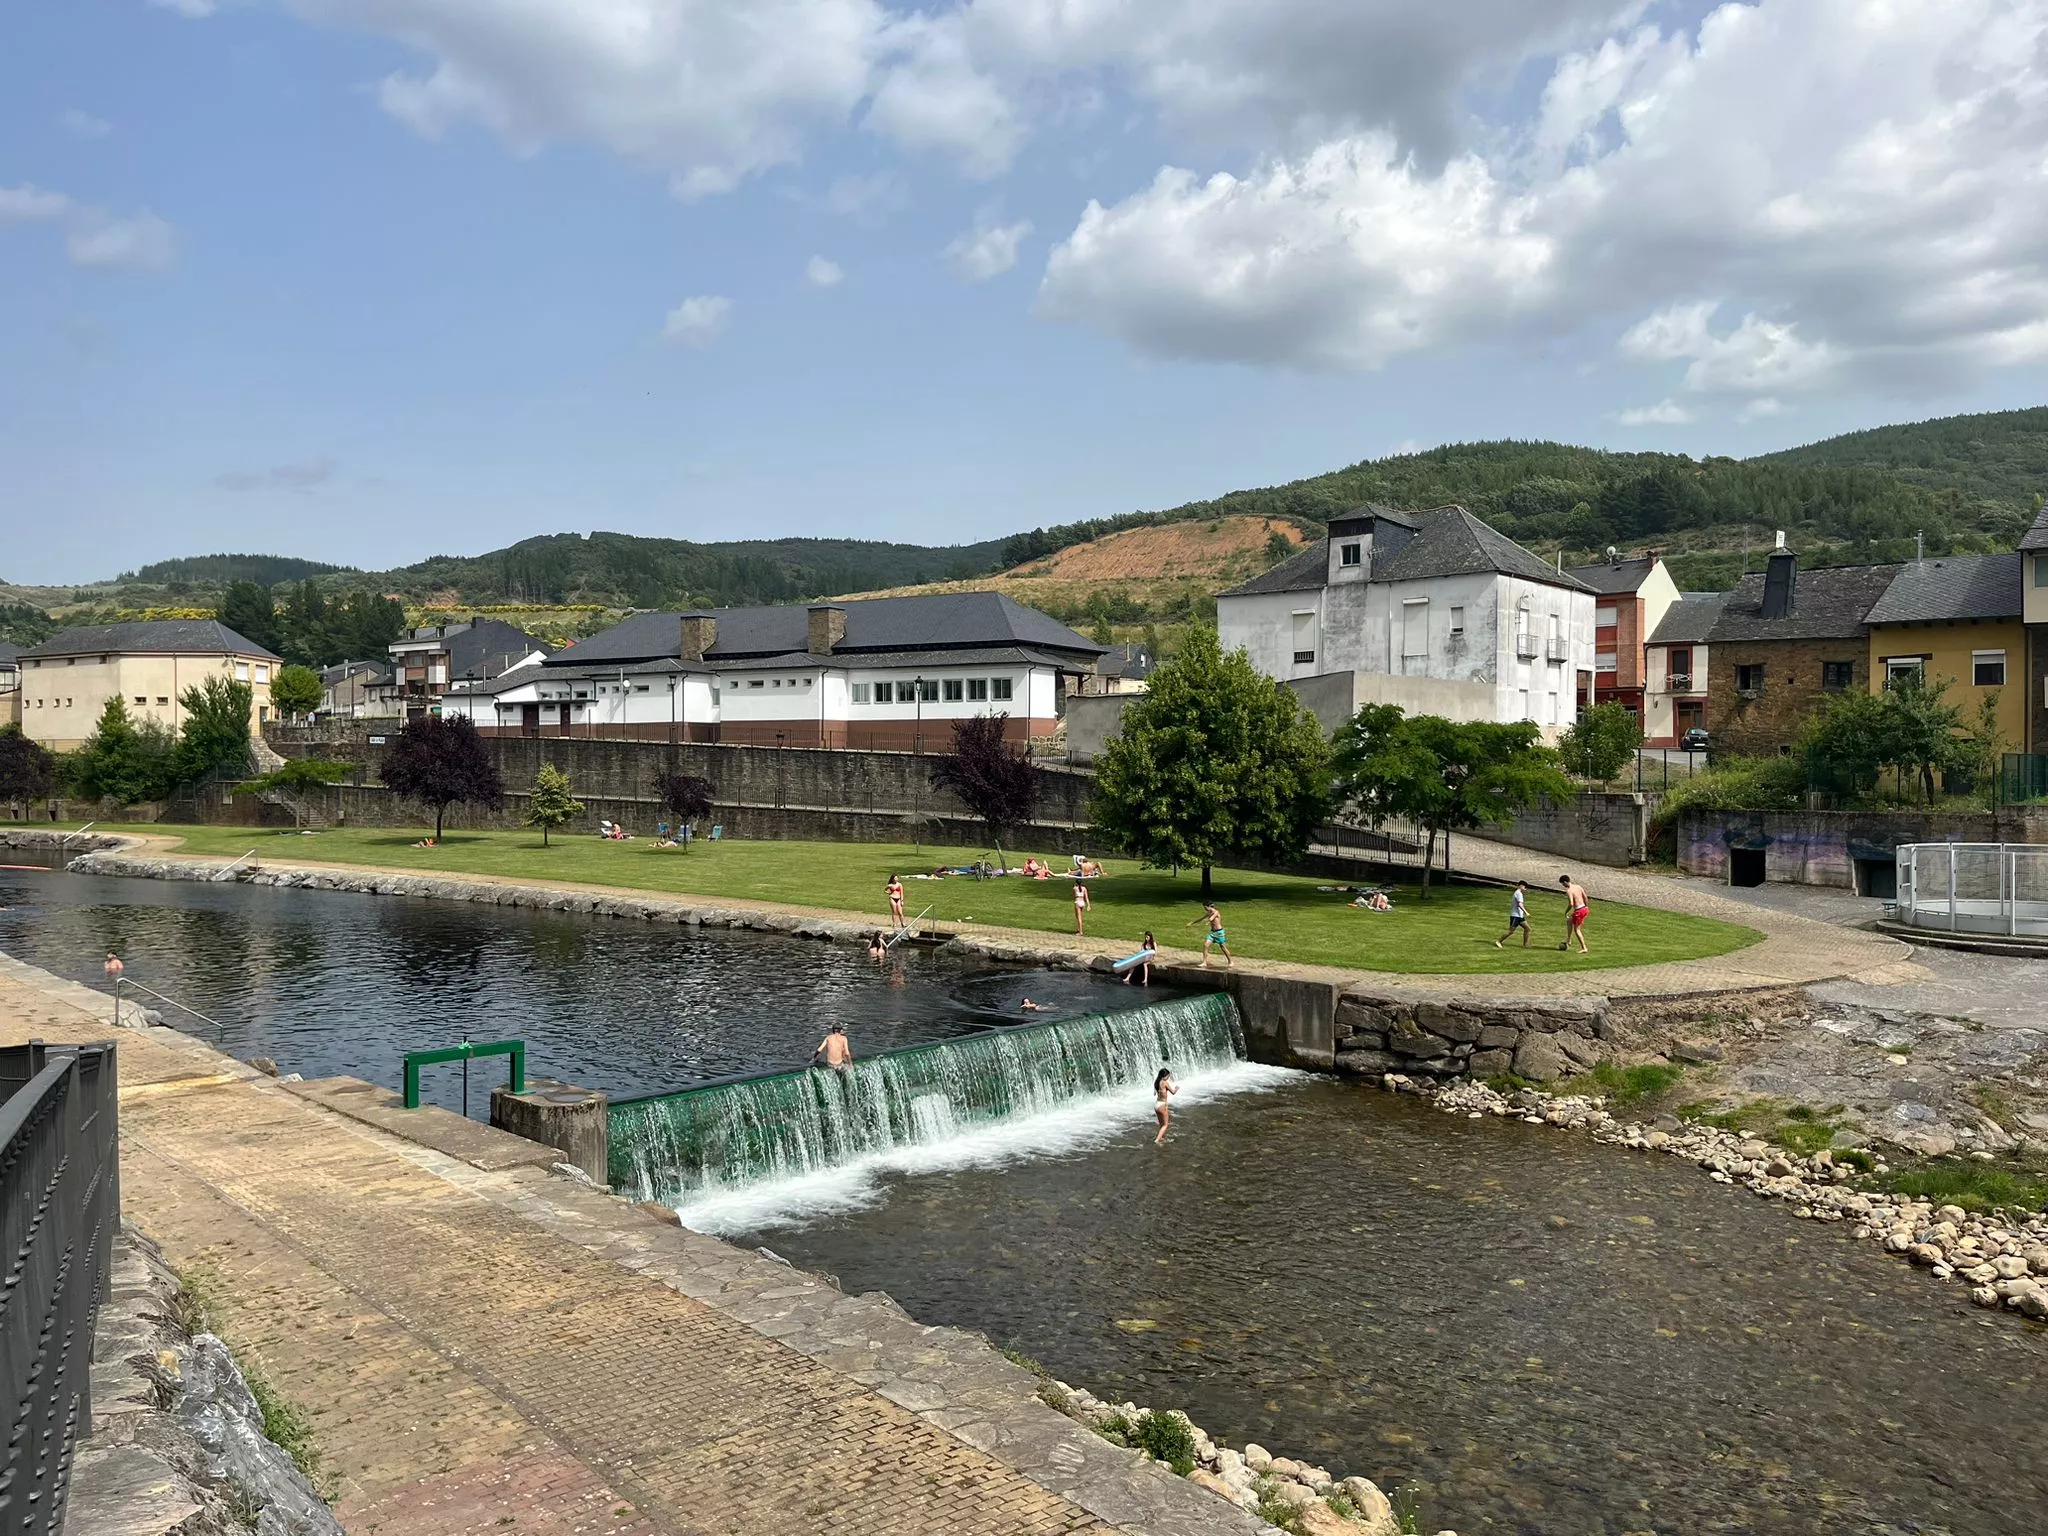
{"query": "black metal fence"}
(60, 1201)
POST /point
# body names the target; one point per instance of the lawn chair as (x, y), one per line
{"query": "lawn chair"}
(718, 834)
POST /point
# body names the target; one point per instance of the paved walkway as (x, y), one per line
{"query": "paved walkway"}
(476, 1355)
(1795, 949)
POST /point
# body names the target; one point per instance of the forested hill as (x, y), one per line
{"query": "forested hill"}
(1836, 500)
(217, 571)
(621, 569)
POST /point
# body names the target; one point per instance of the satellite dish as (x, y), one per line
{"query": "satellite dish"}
(1610, 554)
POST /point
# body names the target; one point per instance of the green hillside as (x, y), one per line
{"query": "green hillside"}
(218, 571)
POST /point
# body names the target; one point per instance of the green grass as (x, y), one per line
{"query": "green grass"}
(1805, 1137)
(1623, 1086)
(1270, 917)
(1974, 1186)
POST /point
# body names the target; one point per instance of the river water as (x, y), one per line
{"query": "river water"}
(1544, 1335)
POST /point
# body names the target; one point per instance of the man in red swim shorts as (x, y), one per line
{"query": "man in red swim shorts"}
(1575, 913)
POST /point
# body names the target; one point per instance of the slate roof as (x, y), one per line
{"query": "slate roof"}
(602, 672)
(1952, 587)
(1827, 605)
(1688, 621)
(482, 646)
(150, 637)
(1448, 541)
(2036, 537)
(929, 622)
(970, 656)
(8, 652)
(1613, 578)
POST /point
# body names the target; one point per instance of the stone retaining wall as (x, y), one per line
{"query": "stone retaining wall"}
(1479, 1037)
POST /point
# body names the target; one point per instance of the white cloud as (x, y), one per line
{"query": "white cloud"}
(191, 10)
(985, 251)
(32, 205)
(93, 236)
(697, 321)
(144, 241)
(1863, 182)
(302, 478)
(1761, 408)
(935, 98)
(867, 197)
(84, 124)
(820, 273)
(1665, 413)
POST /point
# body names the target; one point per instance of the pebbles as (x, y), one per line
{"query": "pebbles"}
(2003, 1259)
(1254, 1478)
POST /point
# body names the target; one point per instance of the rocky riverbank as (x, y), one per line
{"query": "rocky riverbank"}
(1291, 1495)
(2002, 1256)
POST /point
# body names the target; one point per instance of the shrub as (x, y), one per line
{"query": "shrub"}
(1599, 744)
(1168, 1437)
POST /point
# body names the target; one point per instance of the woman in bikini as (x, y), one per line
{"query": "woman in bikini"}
(1081, 905)
(1163, 1090)
(896, 899)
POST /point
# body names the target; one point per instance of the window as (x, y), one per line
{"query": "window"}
(1415, 627)
(1304, 638)
(1987, 669)
(929, 687)
(884, 693)
(956, 690)
(1603, 618)
(1749, 678)
(1681, 666)
(241, 671)
(1899, 669)
(977, 689)
(862, 692)
(262, 672)
(1457, 621)
(999, 688)
(775, 682)
(1348, 553)
(755, 682)
(1525, 705)
(163, 698)
(142, 698)
(1837, 675)
(642, 687)
(2040, 570)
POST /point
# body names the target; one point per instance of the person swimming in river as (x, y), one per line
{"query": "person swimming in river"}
(1163, 1090)
(1028, 1006)
(878, 947)
(834, 1050)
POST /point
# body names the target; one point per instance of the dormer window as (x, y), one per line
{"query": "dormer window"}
(1348, 553)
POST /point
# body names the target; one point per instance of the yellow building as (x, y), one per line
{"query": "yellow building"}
(67, 680)
(1957, 619)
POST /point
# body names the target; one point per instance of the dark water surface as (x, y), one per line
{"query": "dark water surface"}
(1551, 1336)
(330, 982)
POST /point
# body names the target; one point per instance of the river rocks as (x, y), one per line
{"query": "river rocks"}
(1374, 1511)
(1490, 1063)
(1202, 1477)
(1540, 1059)
(1258, 1458)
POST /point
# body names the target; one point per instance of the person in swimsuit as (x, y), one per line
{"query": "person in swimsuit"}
(1215, 935)
(896, 899)
(1143, 969)
(1518, 916)
(834, 1050)
(1576, 907)
(1163, 1090)
(878, 948)
(1029, 1006)
(1081, 905)
(114, 966)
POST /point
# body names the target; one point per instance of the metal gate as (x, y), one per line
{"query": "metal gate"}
(60, 1201)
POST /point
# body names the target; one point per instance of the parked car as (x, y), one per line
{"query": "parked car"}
(1694, 740)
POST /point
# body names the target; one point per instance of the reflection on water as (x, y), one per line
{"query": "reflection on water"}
(335, 983)
(1554, 1337)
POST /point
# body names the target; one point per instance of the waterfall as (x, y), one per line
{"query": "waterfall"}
(680, 1147)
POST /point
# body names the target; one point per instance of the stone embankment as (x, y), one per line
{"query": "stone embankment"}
(1292, 1495)
(1379, 1033)
(178, 1445)
(2002, 1257)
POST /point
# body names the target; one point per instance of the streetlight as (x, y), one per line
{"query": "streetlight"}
(918, 738)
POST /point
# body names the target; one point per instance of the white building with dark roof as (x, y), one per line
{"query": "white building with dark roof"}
(1434, 611)
(888, 673)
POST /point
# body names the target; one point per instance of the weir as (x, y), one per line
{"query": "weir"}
(678, 1147)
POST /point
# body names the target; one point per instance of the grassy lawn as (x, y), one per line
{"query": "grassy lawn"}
(1270, 917)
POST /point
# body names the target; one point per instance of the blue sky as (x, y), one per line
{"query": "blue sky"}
(368, 280)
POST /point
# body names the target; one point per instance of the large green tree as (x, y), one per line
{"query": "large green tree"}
(296, 690)
(213, 743)
(1599, 744)
(122, 760)
(549, 803)
(1442, 775)
(1215, 762)
(247, 610)
(28, 771)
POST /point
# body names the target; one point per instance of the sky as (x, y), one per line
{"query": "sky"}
(371, 280)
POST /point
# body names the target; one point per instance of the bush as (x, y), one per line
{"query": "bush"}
(1599, 744)
(1628, 1085)
(1168, 1437)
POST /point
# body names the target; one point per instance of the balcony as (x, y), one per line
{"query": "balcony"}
(1527, 647)
(1557, 649)
(1679, 682)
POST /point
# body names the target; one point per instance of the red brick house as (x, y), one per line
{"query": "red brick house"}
(1632, 599)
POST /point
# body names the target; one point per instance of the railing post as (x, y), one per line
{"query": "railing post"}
(412, 1082)
(1951, 887)
(519, 1066)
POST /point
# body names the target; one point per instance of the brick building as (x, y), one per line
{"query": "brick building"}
(1632, 597)
(1785, 640)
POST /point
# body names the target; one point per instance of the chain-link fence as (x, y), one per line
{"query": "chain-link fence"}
(1974, 887)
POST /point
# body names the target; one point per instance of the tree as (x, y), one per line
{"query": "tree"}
(247, 610)
(1216, 761)
(683, 795)
(28, 770)
(440, 761)
(1442, 775)
(292, 782)
(1848, 745)
(992, 780)
(214, 741)
(1926, 736)
(1600, 743)
(120, 760)
(549, 804)
(297, 690)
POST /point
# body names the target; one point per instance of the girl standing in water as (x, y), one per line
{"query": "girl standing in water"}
(1163, 1090)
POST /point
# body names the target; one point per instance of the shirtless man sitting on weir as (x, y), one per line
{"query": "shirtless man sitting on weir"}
(833, 1050)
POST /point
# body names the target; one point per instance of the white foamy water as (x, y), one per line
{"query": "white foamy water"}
(1079, 1124)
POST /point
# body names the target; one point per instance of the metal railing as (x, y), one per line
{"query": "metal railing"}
(1999, 888)
(463, 1053)
(60, 1201)
(123, 984)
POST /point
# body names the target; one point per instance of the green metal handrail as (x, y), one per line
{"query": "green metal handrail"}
(414, 1060)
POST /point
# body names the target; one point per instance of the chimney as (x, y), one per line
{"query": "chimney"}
(828, 628)
(700, 634)
(1779, 574)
